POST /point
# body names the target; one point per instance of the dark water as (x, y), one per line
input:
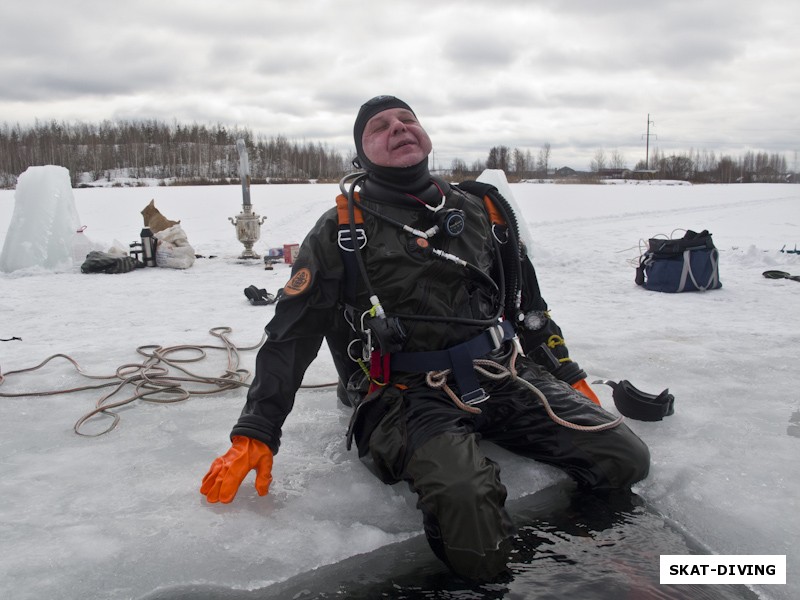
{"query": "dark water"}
(568, 545)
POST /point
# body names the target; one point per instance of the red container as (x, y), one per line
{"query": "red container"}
(290, 253)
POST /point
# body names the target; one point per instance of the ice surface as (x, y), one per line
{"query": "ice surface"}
(120, 515)
(44, 224)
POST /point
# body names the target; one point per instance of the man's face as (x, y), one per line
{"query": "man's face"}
(394, 138)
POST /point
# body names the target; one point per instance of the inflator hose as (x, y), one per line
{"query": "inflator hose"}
(512, 250)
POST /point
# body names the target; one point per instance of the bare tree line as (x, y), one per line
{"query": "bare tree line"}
(705, 167)
(695, 166)
(154, 149)
(517, 163)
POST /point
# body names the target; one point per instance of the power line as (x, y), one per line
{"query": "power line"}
(647, 135)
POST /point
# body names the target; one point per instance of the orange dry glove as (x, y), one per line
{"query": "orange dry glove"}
(584, 389)
(229, 470)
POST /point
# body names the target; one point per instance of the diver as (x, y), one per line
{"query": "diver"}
(433, 315)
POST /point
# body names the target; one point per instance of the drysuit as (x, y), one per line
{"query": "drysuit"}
(406, 426)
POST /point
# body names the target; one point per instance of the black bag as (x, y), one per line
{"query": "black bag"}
(103, 262)
(687, 264)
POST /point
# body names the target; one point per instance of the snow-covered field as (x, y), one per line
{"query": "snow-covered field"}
(120, 515)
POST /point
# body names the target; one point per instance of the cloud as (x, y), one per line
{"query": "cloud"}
(578, 75)
(465, 50)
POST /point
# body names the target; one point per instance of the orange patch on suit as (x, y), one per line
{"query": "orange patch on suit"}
(298, 283)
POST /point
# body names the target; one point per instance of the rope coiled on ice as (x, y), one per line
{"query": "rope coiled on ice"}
(152, 380)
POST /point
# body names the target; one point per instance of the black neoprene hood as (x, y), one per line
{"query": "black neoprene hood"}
(369, 109)
(412, 176)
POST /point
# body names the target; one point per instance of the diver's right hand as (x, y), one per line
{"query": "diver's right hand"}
(229, 470)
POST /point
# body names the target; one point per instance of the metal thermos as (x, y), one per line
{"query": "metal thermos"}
(148, 248)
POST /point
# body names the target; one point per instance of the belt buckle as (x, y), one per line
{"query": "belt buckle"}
(475, 397)
(496, 333)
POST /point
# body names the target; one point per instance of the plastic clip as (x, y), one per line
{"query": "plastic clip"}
(475, 397)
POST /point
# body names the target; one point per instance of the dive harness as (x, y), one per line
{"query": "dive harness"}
(383, 336)
(458, 359)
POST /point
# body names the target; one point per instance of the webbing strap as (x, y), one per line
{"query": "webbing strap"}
(687, 271)
(459, 359)
(347, 246)
(343, 211)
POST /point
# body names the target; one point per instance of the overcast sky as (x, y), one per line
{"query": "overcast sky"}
(581, 75)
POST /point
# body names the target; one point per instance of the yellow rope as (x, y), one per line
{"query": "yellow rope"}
(556, 340)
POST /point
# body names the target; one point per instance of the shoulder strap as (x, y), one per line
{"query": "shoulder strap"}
(485, 191)
(505, 232)
(343, 212)
(347, 246)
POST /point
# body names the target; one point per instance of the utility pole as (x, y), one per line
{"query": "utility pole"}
(647, 151)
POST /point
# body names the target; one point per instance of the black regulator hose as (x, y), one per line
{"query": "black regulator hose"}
(356, 179)
(511, 251)
(351, 201)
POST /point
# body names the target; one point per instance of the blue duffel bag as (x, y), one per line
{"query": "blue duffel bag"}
(687, 264)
